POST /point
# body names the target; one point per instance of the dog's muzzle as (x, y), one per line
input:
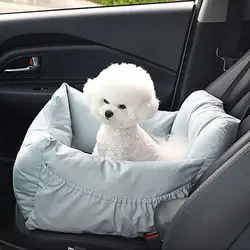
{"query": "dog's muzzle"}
(108, 114)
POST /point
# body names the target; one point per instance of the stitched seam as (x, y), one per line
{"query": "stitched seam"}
(149, 200)
(242, 231)
(230, 162)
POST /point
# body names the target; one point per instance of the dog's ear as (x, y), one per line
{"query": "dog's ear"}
(148, 109)
(89, 90)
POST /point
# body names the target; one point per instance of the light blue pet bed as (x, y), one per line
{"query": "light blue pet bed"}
(59, 186)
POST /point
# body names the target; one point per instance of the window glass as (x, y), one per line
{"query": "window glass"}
(33, 5)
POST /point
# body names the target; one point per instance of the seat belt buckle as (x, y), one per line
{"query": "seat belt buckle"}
(227, 61)
(154, 241)
(151, 236)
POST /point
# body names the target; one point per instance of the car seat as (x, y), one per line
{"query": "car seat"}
(214, 216)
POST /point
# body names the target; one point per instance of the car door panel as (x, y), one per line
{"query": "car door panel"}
(74, 45)
(145, 31)
(74, 64)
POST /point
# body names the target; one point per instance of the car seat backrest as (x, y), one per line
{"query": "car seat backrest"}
(233, 88)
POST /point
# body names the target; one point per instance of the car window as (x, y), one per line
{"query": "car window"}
(7, 6)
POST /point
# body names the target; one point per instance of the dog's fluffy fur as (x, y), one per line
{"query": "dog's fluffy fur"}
(119, 97)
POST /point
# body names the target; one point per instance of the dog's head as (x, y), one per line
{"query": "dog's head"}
(121, 95)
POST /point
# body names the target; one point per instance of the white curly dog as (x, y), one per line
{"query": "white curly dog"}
(120, 96)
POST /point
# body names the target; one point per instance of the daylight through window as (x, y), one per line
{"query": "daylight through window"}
(7, 6)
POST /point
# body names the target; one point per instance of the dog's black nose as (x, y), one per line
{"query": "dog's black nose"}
(108, 113)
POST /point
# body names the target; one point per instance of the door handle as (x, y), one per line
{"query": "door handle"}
(33, 65)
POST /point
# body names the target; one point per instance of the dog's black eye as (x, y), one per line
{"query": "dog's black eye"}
(121, 106)
(106, 101)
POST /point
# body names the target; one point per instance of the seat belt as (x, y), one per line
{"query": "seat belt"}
(229, 50)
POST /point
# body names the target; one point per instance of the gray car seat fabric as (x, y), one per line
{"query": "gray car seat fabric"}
(164, 214)
(217, 212)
